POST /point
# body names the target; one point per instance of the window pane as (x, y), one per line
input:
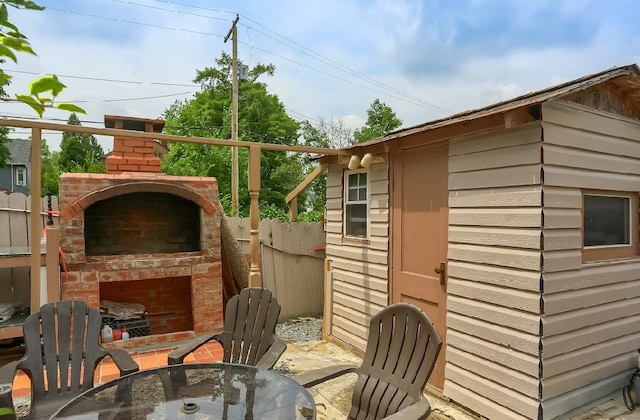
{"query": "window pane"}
(606, 220)
(356, 224)
(353, 194)
(357, 188)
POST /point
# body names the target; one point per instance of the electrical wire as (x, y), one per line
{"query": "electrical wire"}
(315, 55)
(98, 79)
(395, 93)
(129, 99)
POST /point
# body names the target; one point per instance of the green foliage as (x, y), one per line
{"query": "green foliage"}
(4, 150)
(50, 170)
(43, 90)
(271, 211)
(261, 118)
(381, 120)
(311, 216)
(80, 152)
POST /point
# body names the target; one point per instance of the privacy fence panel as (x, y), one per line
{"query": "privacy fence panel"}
(292, 263)
(15, 230)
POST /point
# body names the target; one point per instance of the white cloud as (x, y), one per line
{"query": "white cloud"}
(332, 58)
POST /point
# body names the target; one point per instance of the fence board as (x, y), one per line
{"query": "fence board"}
(18, 231)
(291, 267)
(5, 238)
(15, 226)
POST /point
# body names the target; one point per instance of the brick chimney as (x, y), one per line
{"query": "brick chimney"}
(131, 154)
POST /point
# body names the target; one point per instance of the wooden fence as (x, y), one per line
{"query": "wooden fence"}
(292, 256)
(15, 234)
(292, 263)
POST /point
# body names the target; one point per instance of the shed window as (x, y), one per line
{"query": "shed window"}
(356, 213)
(21, 176)
(610, 226)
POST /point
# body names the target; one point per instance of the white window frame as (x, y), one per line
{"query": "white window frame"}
(348, 202)
(591, 253)
(21, 170)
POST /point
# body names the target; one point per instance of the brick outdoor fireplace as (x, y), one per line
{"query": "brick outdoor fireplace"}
(135, 235)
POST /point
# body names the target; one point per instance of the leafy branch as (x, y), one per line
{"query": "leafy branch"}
(43, 90)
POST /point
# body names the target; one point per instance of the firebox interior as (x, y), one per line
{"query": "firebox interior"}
(142, 223)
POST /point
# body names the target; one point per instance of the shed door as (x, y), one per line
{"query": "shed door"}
(419, 236)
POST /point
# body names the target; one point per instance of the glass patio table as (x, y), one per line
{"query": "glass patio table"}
(194, 391)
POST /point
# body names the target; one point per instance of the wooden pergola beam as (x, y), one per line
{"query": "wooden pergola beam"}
(113, 132)
(292, 197)
(255, 148)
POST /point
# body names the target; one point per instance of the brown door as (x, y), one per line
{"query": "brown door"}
(419, 236)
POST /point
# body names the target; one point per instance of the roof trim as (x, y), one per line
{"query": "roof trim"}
(532, 98)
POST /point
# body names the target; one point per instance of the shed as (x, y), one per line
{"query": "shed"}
(515, 228)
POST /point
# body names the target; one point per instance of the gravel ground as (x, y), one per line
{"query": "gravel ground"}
(300, 329)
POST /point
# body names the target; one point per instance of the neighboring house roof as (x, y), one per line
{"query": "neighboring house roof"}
(628, 86)
(20, 151)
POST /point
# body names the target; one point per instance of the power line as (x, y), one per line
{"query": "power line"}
(397, 94)
(327, 61)
(129, 99)
(151, 25)
(98, 79)
(302, 49)
(172, 10)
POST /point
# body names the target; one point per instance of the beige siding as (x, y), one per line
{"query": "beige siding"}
(493, 304)
(591, 311)
(359, 270)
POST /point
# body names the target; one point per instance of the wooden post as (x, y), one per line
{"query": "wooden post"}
(293, 210)
(233, 33)
(53, 264)
(36, 219)
(255, 278)
(235, 178)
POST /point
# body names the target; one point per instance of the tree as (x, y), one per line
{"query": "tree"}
(261, 118)
(50, 170)
(80, 152)
(381, 120)
(44, 89)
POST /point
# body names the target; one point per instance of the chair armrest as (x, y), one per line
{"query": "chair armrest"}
(315, 377)
(272, 355)
(177, 356)
(7, 373)
(123, 361)
(419, 411)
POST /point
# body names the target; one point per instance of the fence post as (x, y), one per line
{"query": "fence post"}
(255, 278)
(36, 219)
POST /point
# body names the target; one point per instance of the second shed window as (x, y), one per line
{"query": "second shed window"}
(610, 226)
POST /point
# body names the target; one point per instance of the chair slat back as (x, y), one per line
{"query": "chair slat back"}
(62, 349)
(249, 325)
(401, 352)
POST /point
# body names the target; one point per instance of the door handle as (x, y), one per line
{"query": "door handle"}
(441, 270)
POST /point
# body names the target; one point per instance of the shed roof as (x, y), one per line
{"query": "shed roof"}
(20, 150)
(628, 84)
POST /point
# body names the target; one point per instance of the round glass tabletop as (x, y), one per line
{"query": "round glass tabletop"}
(195, 391)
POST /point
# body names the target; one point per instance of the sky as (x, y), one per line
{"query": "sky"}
(426, 59)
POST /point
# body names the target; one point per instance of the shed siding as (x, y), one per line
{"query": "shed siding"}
(591, 311)
(359, 269)
(493, 304)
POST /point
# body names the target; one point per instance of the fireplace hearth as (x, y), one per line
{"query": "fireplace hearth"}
(136, 235)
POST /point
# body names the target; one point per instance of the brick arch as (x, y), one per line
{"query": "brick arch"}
(146, 186)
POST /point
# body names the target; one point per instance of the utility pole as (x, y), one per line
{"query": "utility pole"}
(233, 32)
